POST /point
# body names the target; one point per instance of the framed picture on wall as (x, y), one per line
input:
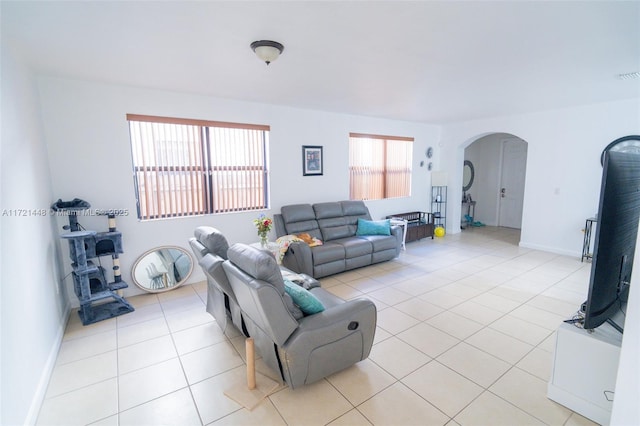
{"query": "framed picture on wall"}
(311, 160)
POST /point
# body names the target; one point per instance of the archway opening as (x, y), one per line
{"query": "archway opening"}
(493, 174)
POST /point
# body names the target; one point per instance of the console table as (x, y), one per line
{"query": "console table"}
(418, 225)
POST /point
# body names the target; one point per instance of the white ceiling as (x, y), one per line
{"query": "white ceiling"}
(429, 61)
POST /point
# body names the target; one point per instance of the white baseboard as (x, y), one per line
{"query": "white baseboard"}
(47, 371)
(549, 249)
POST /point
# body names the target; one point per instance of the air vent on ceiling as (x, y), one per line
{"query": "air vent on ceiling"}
(629, 75)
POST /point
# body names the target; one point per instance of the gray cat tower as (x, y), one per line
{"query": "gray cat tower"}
(98, 298)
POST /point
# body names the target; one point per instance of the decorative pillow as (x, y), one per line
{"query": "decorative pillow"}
(308, 303)
(373, 227)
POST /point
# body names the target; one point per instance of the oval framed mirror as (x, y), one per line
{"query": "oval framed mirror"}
(468, 173)
(162, 269)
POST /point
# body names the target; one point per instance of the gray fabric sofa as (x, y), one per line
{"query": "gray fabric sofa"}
(301, 349)
(335, 223)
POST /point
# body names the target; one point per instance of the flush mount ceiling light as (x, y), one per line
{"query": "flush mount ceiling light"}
(267, 50)
(629, 75)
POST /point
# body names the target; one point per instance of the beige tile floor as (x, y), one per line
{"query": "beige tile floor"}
(465, 337)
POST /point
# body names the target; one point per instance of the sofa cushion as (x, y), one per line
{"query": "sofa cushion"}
(327, 210)
(355, 247)
(257, 263)
(297, 213)
(309, 227)
(300, 218)
(306, 301)
(332, 222)
(327, 252)
(213, 240)
(336, 232)
(374, 227)
(262, 265)
(354, 208)
(381, 242)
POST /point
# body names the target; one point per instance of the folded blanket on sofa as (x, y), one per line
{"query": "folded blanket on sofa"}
(286, 240)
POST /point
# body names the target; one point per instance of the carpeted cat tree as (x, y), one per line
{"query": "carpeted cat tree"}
(89, 280)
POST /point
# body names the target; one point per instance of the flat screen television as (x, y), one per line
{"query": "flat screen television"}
(615, 238)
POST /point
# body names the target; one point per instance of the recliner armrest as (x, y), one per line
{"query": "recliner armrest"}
(335, 322)
(329, 341)
(299, 258)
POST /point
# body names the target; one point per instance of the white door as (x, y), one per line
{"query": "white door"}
(514, 166)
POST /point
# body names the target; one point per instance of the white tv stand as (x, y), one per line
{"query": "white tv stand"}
(585, 365)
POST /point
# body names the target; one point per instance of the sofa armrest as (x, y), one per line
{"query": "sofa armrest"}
(279, 223)
(336, 322)
(339, 316)
(398, 232)
(298, 258)
(328, 342)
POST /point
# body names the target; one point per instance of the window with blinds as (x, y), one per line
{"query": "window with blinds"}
(379, 166)
(185, 167)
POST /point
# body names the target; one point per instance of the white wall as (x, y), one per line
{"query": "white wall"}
(626, 411)
(33, 305)
(88, 142)
(562, 190)
(563, 166)
(485, 156)
(87, 121)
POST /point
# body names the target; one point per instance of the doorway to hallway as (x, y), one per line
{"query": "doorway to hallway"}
(499, 163)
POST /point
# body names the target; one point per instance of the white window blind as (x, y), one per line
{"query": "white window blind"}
(379, 166)
(188, 167)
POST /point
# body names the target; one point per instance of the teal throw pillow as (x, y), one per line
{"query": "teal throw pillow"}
(308, 303)
(373, 227)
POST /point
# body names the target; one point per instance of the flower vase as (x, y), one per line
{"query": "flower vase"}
(263, 242)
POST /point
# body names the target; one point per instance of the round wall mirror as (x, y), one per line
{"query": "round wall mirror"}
(162, 269)
(468, 173)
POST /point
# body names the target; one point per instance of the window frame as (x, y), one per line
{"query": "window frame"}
(204, 169)
(385, 191)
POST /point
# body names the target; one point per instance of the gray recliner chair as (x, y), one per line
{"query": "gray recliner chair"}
(210, 248)
(302, 349)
